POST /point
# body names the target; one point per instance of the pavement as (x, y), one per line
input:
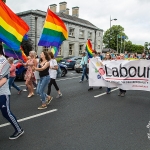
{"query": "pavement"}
(79, 120)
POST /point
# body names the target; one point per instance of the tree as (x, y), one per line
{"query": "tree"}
(111, 35)
(146, 45)
(137, 48)
(128, 46)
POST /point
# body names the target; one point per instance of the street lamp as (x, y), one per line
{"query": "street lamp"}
(110, 28)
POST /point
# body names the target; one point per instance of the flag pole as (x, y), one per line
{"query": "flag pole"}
(117, 44)
(121, 45)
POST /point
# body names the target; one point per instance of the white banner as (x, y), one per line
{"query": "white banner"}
(125, 74)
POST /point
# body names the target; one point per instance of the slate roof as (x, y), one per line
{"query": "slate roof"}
(76, 19)
(62, 15)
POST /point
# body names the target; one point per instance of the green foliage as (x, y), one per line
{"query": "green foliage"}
(128, 46)
(146, 44)
(137, 48)
(115, 35)
(111, 35)
(58, 59)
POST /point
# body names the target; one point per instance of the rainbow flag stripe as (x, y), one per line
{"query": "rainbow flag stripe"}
(24, 57)
(89, 49)
(54, 31)
(17, 54)
(12, 28)
(55, 51)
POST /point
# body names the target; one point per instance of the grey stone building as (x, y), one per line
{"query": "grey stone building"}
(79, 30)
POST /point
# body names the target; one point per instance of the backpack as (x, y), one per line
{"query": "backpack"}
(58, 72)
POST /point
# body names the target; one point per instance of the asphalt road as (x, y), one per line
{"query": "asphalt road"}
(78, 120)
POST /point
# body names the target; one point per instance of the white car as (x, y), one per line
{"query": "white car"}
(78, 67)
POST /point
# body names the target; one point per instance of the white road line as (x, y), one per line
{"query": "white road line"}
(105, 93)
(68, 78)
(59, 80)
(31, 117)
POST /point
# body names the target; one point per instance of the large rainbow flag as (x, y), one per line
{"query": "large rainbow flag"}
(12, 28)
(89, 49)
(54, 31)
(17, 54)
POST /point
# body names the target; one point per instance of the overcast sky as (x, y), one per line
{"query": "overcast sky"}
(132, 15)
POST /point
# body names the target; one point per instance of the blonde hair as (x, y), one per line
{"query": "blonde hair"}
(11, 59)
(32, 53)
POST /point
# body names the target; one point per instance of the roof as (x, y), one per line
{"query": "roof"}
(63, 16)
(73, 18)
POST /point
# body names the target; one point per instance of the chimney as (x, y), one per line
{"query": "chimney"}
(62, 6)
(67, 11)
(53, 8)
(75, 11)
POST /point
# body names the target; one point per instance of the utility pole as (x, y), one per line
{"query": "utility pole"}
(110, 29)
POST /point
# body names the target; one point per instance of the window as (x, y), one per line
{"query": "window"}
(81, 33)
(98, 44)
(45, 48)
(71, 46)
(90, 35)
(81, 49)
(99, 34)
(59, 51)
(71, 32)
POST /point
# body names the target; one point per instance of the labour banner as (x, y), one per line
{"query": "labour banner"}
(124, 74)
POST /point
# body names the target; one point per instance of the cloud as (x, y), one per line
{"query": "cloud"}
(132, 15)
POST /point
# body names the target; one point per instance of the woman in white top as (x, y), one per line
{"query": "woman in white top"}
(53, 74)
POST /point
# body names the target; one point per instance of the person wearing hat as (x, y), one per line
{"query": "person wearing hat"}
(84, 62)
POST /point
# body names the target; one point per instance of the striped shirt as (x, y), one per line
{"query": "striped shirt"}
(4, 72)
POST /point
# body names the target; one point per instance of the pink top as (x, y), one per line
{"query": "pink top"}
(12, 70)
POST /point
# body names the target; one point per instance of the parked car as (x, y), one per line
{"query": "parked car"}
(70, 61)
(78, 67)
(63, 69)
(21, 70)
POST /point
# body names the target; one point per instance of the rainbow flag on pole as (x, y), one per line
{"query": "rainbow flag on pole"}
(12, 28)
(89, 49)
(17, 54)
(54, 31)
(55, 51)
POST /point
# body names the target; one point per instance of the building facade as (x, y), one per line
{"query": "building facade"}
(79, 30)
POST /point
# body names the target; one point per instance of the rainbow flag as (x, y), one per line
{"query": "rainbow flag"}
(24, 57)
(12, 28)
(54, 31)
(89, 49)
(17, 54)
(55, 51)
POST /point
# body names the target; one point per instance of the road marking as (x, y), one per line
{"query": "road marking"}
(59, 80)
(31, 117)
(68, 78)
(105, 93)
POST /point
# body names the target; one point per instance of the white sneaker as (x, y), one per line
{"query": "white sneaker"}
(24, 90)
(80, 81)
(59, 95)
